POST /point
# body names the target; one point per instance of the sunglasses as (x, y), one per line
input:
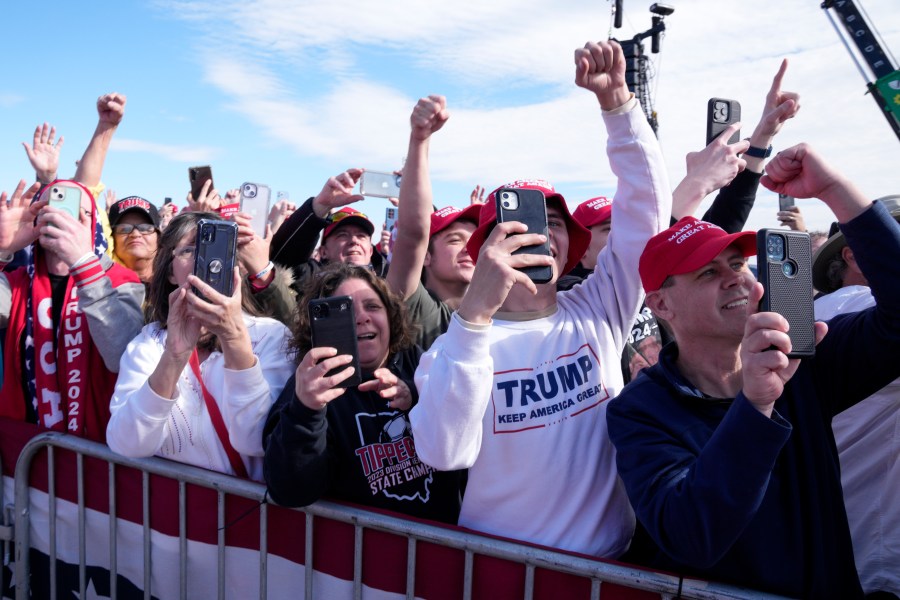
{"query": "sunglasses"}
(342, 214)
(127, 228)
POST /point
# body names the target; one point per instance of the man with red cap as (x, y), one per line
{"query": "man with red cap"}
(346, 232)
(594, 215)
(516, 390)
(725, 445)
(433, 239)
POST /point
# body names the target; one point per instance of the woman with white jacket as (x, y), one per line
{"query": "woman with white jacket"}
(197, 383)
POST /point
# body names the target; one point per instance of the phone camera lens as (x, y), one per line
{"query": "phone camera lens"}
(775, 248)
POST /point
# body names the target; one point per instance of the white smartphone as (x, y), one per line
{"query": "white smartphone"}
(379, 184)
(255, 202)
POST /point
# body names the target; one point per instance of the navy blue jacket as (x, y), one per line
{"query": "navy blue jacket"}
(728, 494)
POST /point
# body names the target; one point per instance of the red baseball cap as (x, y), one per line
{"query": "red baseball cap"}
(442, 219)
(686, 246)
(579, 237)
(594, 211)
(348, 216)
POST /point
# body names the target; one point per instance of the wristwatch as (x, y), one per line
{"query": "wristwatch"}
(759, 152)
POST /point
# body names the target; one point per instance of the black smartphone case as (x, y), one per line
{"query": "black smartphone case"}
(532, 211)
(789, 295)
(197, 177)
(214, 254)
(332, 324)
(714, 127)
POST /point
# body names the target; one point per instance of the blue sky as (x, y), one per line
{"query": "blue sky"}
(288, 93)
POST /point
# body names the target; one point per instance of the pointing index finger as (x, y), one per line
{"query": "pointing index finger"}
(779, 76)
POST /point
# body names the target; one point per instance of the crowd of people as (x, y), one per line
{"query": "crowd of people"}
(635, 405)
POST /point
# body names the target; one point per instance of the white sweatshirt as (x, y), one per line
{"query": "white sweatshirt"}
(143, 423)
(522, 404)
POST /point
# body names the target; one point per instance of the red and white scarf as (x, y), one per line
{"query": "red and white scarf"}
(65, 377)
(61, 360)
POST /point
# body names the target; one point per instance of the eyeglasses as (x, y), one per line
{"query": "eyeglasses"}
(127, 228)
(185, 252)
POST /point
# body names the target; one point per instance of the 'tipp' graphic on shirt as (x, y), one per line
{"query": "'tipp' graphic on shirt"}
(547, 394)
(388, 458)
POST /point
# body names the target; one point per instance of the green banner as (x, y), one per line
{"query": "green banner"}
(889, 88)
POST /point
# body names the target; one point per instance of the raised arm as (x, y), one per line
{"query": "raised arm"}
(600, 68)
(779, 107)
(708, 170)
(415, 207)
(643, 200)
(43, 154)
(736, 196)
(17, 215)
(110, 110)
(294, 242)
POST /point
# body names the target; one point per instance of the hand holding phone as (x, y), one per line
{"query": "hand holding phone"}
(784, 263)
(785, 202)
(720, 113)
(67, 199)
(390, 218)
(528, 207)
(197, 177)
(215, 252)
(332, 324)
(255, 199)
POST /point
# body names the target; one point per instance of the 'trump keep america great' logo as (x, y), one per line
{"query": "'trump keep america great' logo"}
(548, 394)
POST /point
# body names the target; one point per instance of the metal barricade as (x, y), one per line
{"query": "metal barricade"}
(471, 544)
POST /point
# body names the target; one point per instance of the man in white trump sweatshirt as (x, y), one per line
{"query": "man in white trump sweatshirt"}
(516, 390)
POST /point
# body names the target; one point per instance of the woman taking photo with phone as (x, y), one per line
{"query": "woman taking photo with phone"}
(354, 443)
(197, 383)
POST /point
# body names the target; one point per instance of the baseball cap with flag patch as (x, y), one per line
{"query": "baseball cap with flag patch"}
(579, 237)
(348, 216)
(686, 246)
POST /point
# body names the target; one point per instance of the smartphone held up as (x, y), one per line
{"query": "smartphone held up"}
(529, 207)
(720, 113)
(784, 263)
(66, 198)
(332, 324)
(255, 199)
(215, 251)
(379, 184)
(785, 202)
(198, 176)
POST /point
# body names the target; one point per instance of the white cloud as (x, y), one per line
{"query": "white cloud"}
(710, 49)
(185, 154)
(8, 100)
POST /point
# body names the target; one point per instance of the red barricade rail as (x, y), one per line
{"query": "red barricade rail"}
(89, 520)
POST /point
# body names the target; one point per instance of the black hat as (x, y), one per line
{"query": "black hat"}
(133, 204)
(836, 242)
